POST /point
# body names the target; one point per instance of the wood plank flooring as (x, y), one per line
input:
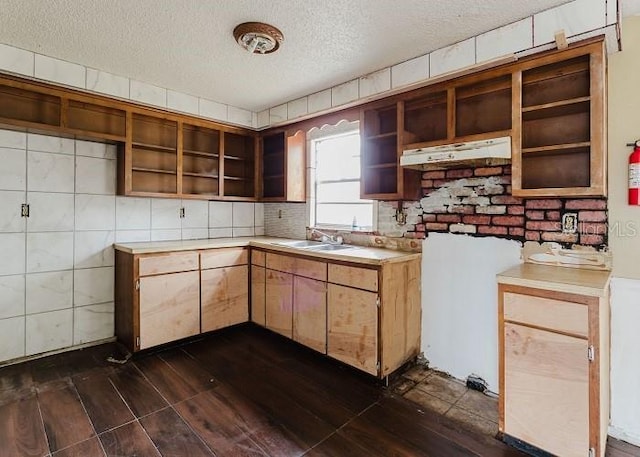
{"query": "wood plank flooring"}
(238, 392)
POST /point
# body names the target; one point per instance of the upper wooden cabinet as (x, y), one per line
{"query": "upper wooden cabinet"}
(284, 166)
(560, 145)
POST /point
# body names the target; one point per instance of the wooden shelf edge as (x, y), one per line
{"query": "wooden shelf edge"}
(153, 147)
(191, 174)
(553, 192)
(571, 101)
(556, 147)
(154, 170)
(381, 136)
(213, 155)
(460, 139)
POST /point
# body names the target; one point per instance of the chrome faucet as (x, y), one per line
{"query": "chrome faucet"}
(331, 239)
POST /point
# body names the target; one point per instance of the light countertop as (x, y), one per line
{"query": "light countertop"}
(359, 254)
(593, 283)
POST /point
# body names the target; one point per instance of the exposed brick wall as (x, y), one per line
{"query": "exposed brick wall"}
(478, 201)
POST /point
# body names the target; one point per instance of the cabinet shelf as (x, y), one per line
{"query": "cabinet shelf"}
(556, 147)
(200, 175)
(153, 147)
(230, 157)
(237, 178)
(560, 103)
(200, 153)
(382, 135)
(153, 170)
(382, 165)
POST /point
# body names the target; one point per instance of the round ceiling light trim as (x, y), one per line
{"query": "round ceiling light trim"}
(258, 37)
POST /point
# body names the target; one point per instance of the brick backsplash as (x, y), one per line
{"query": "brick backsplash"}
(478, 202)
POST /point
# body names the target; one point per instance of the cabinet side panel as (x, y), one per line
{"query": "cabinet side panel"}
(603, 341)
(547, 390)
(401, 314)
(352, 319)
(258, 295)
(295, 173)
(124, 298)
(225, 297)
(310, 313)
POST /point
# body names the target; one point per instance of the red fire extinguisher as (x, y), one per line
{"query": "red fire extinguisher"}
(634, 174)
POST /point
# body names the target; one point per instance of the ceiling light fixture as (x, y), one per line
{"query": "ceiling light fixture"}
(258, 37)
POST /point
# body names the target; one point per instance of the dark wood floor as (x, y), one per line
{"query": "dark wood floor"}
(242, 391)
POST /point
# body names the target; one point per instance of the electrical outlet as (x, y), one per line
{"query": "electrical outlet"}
(569, 222)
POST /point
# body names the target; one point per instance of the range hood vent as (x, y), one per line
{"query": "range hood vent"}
(495, 151)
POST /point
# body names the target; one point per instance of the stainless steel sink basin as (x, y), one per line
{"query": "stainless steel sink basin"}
(299, 243)
(330, 247)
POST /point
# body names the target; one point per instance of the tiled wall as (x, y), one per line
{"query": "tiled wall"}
(579, 19)
(27, 63)
(56, 270)
(286, 220)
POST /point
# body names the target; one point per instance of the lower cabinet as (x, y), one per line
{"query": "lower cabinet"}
(258, 280)
(279, 302)
(554, 370)
(353, 327)
(225, 297)
(310, 313)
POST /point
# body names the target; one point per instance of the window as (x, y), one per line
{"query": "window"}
(337, 183)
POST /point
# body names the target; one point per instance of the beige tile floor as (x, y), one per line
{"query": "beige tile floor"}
(450, 397)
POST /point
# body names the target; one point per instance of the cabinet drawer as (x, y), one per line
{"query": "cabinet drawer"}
(168, 263)
(361, 278)
(280, 262)
(258, 258)
(547, 313)
(310, 269)
(227, 257)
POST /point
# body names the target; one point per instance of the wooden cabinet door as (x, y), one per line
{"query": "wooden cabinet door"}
(546, 390)
(310, 313)
(225, 297)
(353, 327)
(169, 308)
(279, 302)
(258, 294)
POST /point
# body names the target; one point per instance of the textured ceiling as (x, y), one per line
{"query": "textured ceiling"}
(187, 45)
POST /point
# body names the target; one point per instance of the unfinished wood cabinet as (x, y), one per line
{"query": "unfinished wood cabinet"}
(560, 145)
(279, 302)
(224, 288)
(284, 166)
(554, 370)
(310, 313)
(258, 287)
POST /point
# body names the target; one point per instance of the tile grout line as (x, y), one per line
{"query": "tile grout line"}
(84, 408)
(44, 429)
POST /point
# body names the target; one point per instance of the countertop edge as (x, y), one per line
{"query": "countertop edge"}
(599, 292)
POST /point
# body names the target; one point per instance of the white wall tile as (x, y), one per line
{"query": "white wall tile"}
(344, 93)
(505, 40)
(376, 82)
(243, 231)
(12, 246)
(13, 172)
(49, 331)
(107, 83)
(213, 110)
(95, 212)
(453, 57)
(165, 214)
(220, 214)
(195, 233)
(11, 219)
(49, 172)
(12, 292)
(95, 176)
(92, 286)
(259, 214)
(46, 143)
(410, 72)
(240, 116)
(182, 102)
(13, 139)
(196, 214)
(278, 114)
(93, 323)
(297, 108)
(243, 214)
(220, 232)
(319, 101)
(49, 291)
(93, 249)
(133, 213)
(574, 17)
(166, 234)
(16, 60)
(49, 251)
(12, 331)
(96, 150)
(132, 236)
(59, 71)
(147, 93)
(263, 118)
(50, 212)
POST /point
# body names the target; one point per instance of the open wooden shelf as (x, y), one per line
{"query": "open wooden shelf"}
(556, 147)
(153, 147)
(382, 136)
(200, 175)
(200, 153)
(154, 170)
(483, 107)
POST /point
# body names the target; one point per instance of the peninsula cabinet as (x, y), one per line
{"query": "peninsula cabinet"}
(365, 315)
(554, 367)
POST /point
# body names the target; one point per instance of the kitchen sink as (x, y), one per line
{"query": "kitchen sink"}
(300, 243)
(330, 247)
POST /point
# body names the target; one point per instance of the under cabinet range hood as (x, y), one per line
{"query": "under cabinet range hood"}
(494, 151)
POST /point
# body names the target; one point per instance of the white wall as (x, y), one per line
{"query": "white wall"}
(56, 266)
(460, 302)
